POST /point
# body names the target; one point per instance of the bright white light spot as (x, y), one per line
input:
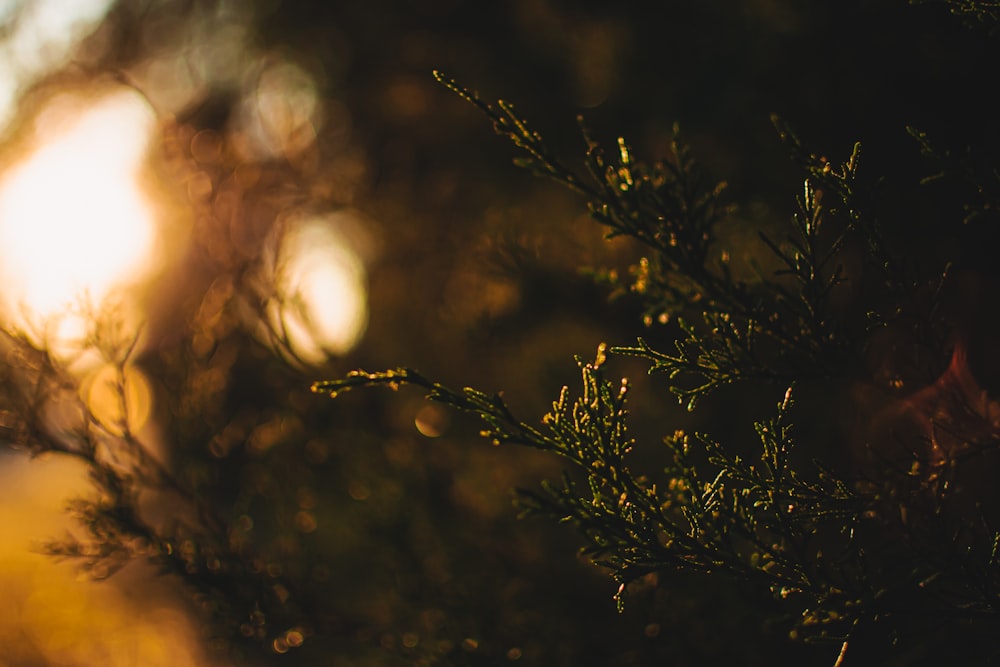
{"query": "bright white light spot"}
(322, 306)
(74, 223)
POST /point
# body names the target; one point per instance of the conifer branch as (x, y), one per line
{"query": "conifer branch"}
(824, 545)
(757, 521)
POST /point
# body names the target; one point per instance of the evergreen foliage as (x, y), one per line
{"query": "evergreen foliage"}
(904, 542)
(198, 544)
(983, 12)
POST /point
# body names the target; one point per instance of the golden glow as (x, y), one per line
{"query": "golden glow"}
(74, 222)
(118, 398)
(322, 306)
(432, 420)
(49, 614)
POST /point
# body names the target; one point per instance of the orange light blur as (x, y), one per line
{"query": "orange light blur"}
(75, 224)
(77, 234)
(323, 305)
(49, 614)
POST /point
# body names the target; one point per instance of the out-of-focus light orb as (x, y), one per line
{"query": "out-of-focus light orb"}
(202, 49)
(75, 224)
(118, 398)
(280, 112)
(322, 304)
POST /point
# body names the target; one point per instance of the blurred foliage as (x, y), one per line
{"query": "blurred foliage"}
(371, 529)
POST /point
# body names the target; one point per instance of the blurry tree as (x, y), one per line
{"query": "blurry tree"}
(370, 530)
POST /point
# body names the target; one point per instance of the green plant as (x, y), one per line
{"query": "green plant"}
(902, 541)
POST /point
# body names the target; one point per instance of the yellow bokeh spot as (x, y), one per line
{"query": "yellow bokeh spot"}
(75, 224)
(432, 420)
(118, 398)
(322, 306)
